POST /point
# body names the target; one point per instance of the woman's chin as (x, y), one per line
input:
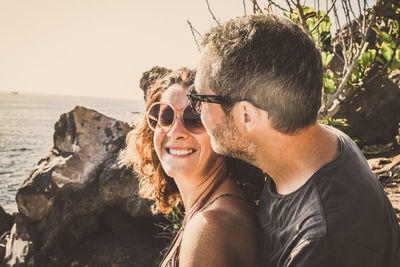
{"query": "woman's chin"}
(179, 172)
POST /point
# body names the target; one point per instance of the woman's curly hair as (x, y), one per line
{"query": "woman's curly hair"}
(154, 183)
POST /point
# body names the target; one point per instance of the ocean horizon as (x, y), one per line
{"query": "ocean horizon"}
(27, 127)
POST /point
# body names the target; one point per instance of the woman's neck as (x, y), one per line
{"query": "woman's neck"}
(194, 189)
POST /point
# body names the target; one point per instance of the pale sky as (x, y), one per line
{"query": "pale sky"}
(99, 47)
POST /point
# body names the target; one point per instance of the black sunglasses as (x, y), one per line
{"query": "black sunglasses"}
(195, 99)
(162, 116)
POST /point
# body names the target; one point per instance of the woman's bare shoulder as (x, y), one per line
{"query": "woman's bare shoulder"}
(225, 232)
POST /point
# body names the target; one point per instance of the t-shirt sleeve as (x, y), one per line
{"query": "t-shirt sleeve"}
(332, 252)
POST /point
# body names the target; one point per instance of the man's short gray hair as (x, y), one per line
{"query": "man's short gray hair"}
(270, 62)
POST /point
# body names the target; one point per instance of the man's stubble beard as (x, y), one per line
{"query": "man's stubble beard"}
(227, 140)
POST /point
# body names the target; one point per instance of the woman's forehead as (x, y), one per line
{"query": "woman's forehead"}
(176, 96)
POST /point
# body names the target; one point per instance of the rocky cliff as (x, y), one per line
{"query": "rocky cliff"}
(79, 205)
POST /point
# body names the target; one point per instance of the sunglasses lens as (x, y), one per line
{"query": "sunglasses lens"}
(152, 116)
(161, 115)
(166, 117)
(192, 121)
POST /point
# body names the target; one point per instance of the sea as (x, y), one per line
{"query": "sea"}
(27, 126)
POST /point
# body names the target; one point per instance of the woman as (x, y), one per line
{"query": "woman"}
(176, 163)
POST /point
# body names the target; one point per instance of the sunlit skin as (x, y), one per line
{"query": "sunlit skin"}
(225, 233)
(190, 171)
(289, 159)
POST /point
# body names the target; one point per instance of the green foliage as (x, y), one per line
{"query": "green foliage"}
(334, 122)
(388, 34)
(326, 58)
(388, 45)
(176, 217)
(329, 84)
(322, 33)
(388, 9)
(382, 56)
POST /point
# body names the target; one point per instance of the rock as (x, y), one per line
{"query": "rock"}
(19, 245)
(373, 112)
(82, 193)
(388, 172)
(6, 221)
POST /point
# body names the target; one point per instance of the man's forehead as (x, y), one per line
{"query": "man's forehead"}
(207, 69)
(202, 85)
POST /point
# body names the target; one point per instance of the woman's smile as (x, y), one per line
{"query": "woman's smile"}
(180, 152)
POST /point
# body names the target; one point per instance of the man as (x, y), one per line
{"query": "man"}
(258, 88)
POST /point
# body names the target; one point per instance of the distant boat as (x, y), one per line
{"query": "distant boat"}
(14, 92)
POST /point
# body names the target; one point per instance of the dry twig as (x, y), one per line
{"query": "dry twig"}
(193, 30)
(278, 6)
(212, 14)
(302, 17)
(256, 7)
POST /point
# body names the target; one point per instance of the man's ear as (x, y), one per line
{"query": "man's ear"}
(248, 115)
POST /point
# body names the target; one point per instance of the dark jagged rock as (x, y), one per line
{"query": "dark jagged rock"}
(388, 172)
(6, 221)
(82, 194)
(373, 113)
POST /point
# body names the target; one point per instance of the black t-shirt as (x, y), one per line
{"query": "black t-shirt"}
(340, 217)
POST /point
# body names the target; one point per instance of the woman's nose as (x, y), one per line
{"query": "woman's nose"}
(178, 130)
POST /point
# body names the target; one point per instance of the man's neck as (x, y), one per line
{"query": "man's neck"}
(292, 159)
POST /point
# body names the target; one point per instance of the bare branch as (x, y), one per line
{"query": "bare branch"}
(350, 27)
(337, 21)
(256, 7)
(329, 108)
(212, 14)
(193, 33)
(302, 17)
(364, 18)
(352, 12)
(366, 4)
(289, 6)
(327, 12)
(244, 7)
(346, 12)
(359, 7)
(278, 6)
(341, 39)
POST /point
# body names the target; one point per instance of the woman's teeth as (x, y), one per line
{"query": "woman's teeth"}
(181, 152)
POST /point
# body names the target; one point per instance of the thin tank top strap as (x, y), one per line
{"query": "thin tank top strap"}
(220, 196)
